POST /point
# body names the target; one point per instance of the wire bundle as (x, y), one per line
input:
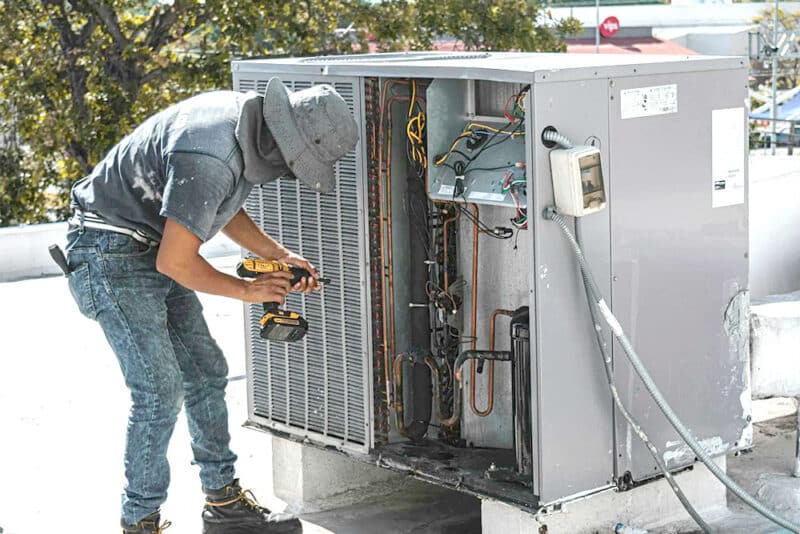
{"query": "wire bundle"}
(512, 185)
(415, 129)
(477, 133)
(517, 111)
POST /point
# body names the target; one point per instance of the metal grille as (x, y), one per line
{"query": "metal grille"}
(318, 387)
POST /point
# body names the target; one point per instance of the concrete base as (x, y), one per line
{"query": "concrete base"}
(312, 480)
(649, 506)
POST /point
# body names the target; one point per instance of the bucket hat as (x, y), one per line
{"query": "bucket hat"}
(313, 128)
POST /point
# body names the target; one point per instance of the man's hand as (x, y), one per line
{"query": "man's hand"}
(305, 285)
(269, 287)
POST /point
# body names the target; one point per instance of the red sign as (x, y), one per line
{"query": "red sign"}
(609, 27)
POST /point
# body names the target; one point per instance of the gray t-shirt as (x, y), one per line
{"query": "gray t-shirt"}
(184, 163)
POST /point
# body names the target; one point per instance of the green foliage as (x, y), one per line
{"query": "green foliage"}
(495, 24)
(78, 75)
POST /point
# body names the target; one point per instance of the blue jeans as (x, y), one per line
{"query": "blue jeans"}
(167, 356)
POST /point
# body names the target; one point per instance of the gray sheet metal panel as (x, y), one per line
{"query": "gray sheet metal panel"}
(502, 283)
(345, 369)
(677, 263)
(495, 66)
(573, 417)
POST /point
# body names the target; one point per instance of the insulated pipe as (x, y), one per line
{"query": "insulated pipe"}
(400, 421)
(473, 376)
(551, 214)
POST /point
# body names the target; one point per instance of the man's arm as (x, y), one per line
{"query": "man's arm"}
(245, 233)
(179, 258)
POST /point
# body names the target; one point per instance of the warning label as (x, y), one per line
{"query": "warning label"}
(648, 101)
(728, 140)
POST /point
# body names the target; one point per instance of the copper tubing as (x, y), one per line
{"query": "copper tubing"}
(400, 421)
(490, 377)
(385, 216)
(386, 357)
(473, 322)
(390, 245)
(452, 420)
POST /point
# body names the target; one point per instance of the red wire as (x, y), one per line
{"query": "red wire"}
(506, 114)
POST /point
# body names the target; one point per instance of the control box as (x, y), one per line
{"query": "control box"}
(577, 180)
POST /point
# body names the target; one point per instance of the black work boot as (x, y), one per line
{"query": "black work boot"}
(231, 510)
(148, 525)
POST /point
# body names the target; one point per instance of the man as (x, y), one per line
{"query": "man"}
(140, 218)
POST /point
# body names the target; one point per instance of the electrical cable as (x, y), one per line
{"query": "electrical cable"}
(612, 386)
(498, 232)
(489, 144)
(551, 214)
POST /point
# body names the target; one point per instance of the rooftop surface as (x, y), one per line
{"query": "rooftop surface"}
(63, 414)
(63, 418)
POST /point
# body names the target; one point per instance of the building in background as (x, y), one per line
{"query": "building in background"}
(719, 29)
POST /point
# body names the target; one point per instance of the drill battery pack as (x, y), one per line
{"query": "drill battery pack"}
(282, 325)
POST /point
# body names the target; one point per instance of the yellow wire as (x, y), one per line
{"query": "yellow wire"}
(468, 131)
(413, 97)
(471, 125)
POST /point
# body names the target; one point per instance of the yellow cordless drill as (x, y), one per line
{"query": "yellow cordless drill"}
(278, 324)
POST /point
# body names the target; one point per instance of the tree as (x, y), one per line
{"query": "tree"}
(496, 24)
(77, 75)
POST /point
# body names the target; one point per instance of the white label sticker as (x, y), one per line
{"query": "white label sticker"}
(727, 157)
(648, 101)
(478, 195)
(447, 190)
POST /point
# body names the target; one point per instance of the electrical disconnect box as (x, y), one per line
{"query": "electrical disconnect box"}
(454, 341)
(577, 180)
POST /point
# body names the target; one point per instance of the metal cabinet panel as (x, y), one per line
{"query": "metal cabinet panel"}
(572, 408)
(677, 264)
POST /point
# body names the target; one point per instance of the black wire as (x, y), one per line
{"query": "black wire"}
(477, 169)
(490, 168)
(489, 144)
(496, 232)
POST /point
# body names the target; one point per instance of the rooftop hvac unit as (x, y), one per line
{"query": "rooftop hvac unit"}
(454, 340)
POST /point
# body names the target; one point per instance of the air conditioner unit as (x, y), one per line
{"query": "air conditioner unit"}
(435, 246)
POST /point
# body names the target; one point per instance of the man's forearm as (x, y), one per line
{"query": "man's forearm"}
(245, 233)
(195, 273)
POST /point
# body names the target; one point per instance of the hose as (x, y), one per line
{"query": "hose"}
(550, 213)
(553, 136)
(612, 386)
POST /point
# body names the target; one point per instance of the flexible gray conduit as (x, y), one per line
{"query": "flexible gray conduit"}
(554, 137)
(551, 214)
(612, 386)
